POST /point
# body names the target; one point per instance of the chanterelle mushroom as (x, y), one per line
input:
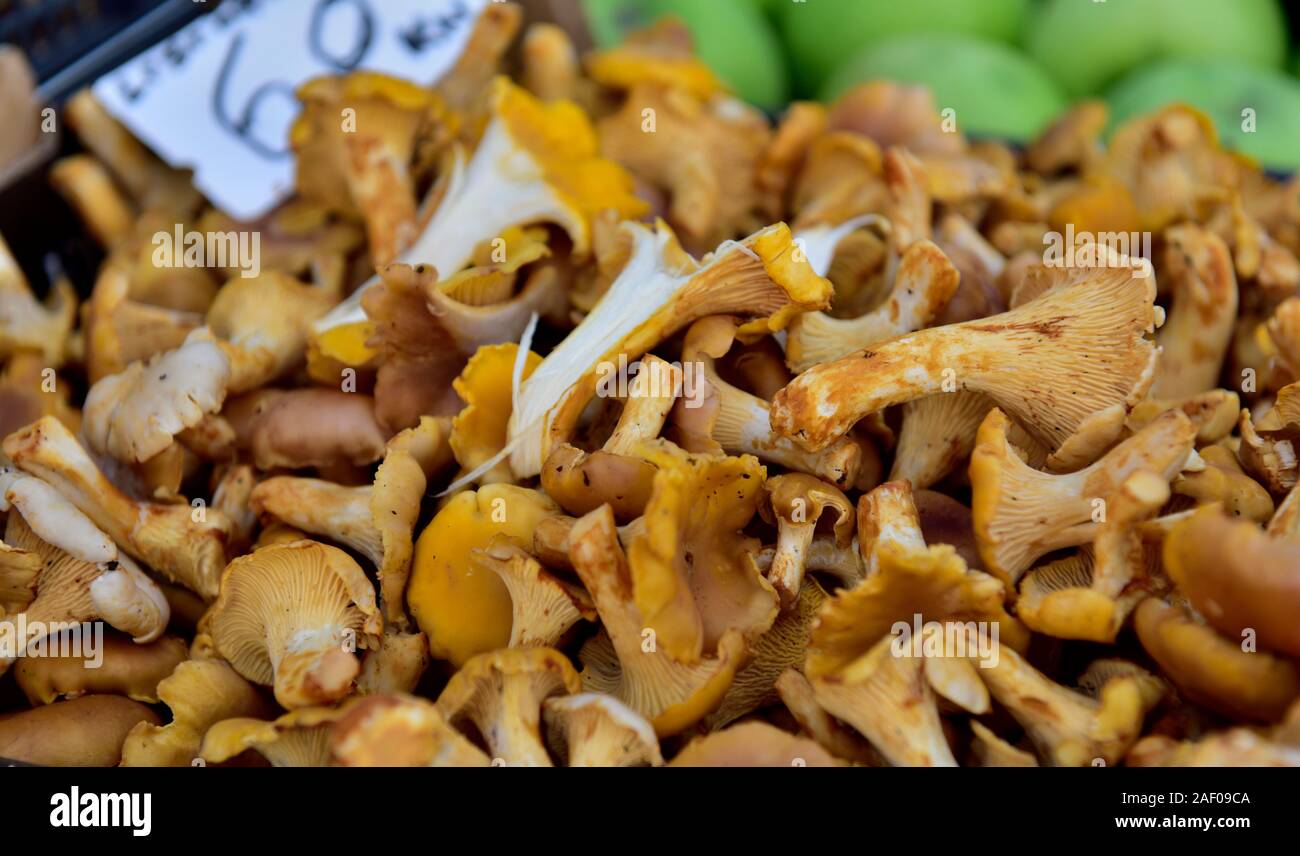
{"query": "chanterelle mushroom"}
(627, 661)
(1069, 728)
(1196, 336)
(1089, 595)
(136, 414)
(753, 744)
(400, 731)
(465, 610)
(200, 693)
(1085, 338)
(1021, 514)
(1237, 577)
(534, 163)
(797, 501)
(1212, 670)
(170, 539)
(502, 693)
(595, 730)
(544, 607)
(660, 290)
(694, 578)
(291, 616)
(68, 589)
(376, 520)
(923, 283)
(728, 418)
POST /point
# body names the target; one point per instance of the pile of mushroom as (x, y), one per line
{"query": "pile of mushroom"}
(592, 418)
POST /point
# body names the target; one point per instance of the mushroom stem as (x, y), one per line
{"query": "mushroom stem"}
(317, 675)
(651, 396)
(793, 544)
(521, 743)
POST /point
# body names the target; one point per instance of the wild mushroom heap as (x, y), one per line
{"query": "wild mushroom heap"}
(553, 434)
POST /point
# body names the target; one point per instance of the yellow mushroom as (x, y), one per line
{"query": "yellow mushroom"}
(534, 163)
(727, 418)
(796, 502)
(291, 616)
(400, 731)
(185, 547)
(660, 290)
(376, 520)
(1084, 336)
(464, 610)
(922, 285)
(628, 662)
(502, 692)
(200, 693)
(136, 414)
(1021, 514)
(120, 666)
(1195, 337)
(594, 730)
(543, 606)
(1212, 670)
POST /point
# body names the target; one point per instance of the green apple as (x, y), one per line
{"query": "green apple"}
(994, 90)
(823, 34)
(1255, 110)
(1089, 45)
(732, 36)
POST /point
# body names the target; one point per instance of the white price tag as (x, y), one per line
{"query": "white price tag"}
(218, 95)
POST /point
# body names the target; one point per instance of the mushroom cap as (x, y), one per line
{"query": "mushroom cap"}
(286, 614)
(596, 730)
(702, 154)
(1021, 514)
(136, 414)
(125, 669)
(478, 432)
(400, 731)
(310, 427)
(753, 744)
(80, 732)
(1085, 338)
(693, 572)
(626, 660)
(69, 590)
(167, 538)
(267, 321)
(544, 607)
(299, 738)
(502, 692)
(200, 693)
(1223, 481)
(933, 583)
(1237, 577)
(462, 609)
(1212, 670)
(659, 54)
(801, 498)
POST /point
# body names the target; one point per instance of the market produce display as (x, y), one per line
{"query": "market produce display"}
(581, 413)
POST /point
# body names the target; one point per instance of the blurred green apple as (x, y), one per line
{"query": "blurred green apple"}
(1088, 45)
(1256, 111)
(994, 90)
(732, 36)
(823, 34)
